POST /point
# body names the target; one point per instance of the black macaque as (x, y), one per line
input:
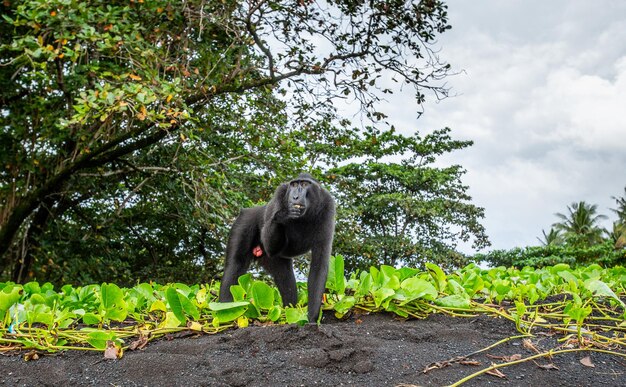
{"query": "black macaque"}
(299, 218)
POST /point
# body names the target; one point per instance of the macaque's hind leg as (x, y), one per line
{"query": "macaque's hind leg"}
(235, 268)
(243, 238)
(317, 280)
(281, 270)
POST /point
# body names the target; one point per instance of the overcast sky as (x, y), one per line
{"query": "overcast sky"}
(543, 96)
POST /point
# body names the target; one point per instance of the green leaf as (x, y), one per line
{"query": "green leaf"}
(414, 288)
(146, 290)
(92, 318)
(389, 277)
(296, 315)
(31, 288)
(189, 307)
(336, 280)
(171, 321)
(64, 318)
(111, 295)
(174, 300)
(182, 289)
(560, 267)
(406, 272)
(98, 339)
(158, 305)
(393, 308)
(112, 302)
(454, 287)
(375, 276)
(67, 290)
(8, 296)
(567, 276)
(365, 285)
(473, 284)
(36, 299)
(245, 281)
(438, 276)
(274, 313)
(502, 289)
(262, 295)
(116, 314)
(40, 313)
(217, 306)
(238, 292)
(382, 294)
(601, 289)
(344, 305)
(454, 301)
(577, 312)
(228, 311)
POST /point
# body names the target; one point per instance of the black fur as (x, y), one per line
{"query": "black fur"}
(299, 218)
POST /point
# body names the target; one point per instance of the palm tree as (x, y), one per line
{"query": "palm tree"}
(618, 235)
(580, 225)
(621, 207)
(553, 237)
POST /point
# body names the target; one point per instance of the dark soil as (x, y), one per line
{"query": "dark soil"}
(375, 350)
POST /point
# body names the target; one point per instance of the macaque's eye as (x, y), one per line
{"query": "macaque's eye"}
(302, 184)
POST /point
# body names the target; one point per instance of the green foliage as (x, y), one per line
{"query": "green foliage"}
(580, 225)
(620, 211)
(180, 304)
(131, 133)
(553, 237)
(336, 282)
(540, 256)
(406, 211)
(38, 317)
(618, 234)
(262, 296)
(227, 311)
(577, 239)
(113, 306)
(296, 315)
(9, 296)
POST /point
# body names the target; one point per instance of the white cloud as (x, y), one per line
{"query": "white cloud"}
(543, 95)
(585, 110)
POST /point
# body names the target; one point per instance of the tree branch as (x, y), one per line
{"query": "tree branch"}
(101, 156)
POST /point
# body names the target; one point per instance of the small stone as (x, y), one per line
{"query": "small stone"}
(363, 367)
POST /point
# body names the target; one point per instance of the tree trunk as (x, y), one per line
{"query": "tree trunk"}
(35, 230)
(11, 228)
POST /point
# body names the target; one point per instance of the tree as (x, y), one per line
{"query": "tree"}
(553, 237)
(396, 207)
(618, 234)
(580, 225)
(603, 254)
(621, 207)
(124, 123)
